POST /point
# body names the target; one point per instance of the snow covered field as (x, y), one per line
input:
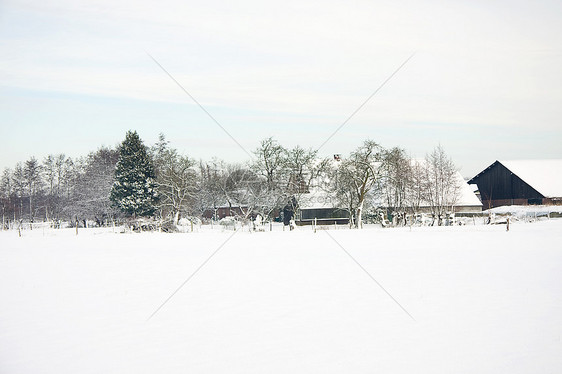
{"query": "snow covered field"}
(484, 301)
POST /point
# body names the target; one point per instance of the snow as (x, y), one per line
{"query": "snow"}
(545, 176)
(317, 199)
(467, 197)
(484, 301)
(523, 211)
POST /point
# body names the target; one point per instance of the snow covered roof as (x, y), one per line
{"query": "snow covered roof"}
(317, 199)
(545, 176)
(467, 192)
(467, 196)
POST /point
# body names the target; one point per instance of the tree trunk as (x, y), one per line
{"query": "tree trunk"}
(358, 219)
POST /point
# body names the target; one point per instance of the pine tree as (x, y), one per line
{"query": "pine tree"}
(134, 189)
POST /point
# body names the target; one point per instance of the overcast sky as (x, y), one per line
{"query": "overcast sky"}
(485, 81)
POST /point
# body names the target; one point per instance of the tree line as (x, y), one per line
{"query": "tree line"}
(133, 180)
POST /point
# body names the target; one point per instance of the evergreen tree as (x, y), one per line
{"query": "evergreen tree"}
(134, 189)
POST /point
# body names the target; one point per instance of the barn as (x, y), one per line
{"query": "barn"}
(520, 182)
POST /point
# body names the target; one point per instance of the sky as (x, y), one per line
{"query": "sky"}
(484, 82)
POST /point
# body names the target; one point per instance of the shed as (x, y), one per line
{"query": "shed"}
(317, 206)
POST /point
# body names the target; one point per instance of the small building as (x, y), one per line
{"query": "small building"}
(318, 207)
(520, 182)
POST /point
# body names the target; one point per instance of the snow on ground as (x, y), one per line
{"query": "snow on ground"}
(484, 301)
(523, 211)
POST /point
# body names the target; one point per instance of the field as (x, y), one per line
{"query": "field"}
(468, 299)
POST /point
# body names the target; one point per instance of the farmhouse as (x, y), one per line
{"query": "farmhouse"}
(520, 182)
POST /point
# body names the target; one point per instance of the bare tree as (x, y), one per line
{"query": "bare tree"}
(67, 173)
(244, 189)
(176, 180)
(50, 176)
(357, 176)
(341, 187)
(6, 195)
(269, 162)
(302, 169)
(18, 180)
(269, 166)
(209, 192)
(89, 183)
(415, 191)
(32, 174)
(396, 179)
(49, 173)
(441, 183)
(233, 186)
